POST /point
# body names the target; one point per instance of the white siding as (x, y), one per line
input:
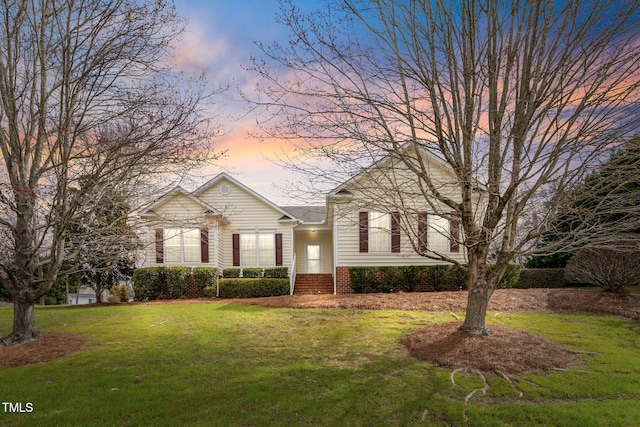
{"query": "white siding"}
(348, 244)
(244, 212)
(386, 190)
(179, 210)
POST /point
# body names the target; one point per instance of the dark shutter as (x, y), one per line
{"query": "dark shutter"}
(159, 246)
(236, 250)
(364, 231)
(423, 232)
(278, 249)
(454, 232)
(395, 232)
(204, 245)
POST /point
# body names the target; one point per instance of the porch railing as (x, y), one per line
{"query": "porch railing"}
(292, 274)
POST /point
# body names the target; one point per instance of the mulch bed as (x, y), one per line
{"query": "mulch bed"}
(505, 300)
(506, 350)
(51, 346)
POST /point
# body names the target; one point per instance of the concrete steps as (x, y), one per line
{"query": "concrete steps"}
(308, 284)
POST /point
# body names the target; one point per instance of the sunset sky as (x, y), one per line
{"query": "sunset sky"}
(219, 42)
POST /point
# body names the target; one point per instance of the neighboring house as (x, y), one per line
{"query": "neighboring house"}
(86, 295)
(225, 224)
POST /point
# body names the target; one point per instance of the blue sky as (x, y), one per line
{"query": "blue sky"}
(219, 40)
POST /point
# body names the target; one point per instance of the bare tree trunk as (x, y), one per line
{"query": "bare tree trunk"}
(72, 126)
(477, 303)
(99, 289)
(24, 325)
(480, 291)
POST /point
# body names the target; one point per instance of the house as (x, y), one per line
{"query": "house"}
(226, 224)
(86, 295)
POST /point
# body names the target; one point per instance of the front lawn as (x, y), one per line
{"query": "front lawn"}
(224, 364)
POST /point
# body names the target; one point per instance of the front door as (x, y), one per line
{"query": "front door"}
(314, 261)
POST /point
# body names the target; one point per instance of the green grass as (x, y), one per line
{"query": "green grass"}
(222, 364)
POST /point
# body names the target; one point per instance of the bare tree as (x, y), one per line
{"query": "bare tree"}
(614, 268)
(87, 102)
(518, 99)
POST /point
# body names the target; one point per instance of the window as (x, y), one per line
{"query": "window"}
(181, 245)
(379, 231)
(191, 245)
(248, 255)
(172, 245)
(257, 249)
(266, 250)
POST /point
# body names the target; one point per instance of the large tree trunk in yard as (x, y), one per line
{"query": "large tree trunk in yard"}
(24, 325)
(480, 291)
(477, 302)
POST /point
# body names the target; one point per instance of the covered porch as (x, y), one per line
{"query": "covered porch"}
(313, 248)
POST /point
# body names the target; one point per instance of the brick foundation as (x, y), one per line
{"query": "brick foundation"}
(343, 281)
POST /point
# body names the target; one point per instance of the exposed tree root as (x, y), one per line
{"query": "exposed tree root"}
(468, 397)
(513, 386)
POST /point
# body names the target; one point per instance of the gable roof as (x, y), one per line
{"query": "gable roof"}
(287, 216)
(341, 190)
(308, 214)
(175, 192)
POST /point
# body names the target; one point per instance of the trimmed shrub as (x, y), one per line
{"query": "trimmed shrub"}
(209, 291)
(392, 279)
(445, 278)
(251, 273)
(511, 276)
(364, 279)
(204, 277)
(541, 278)
(407, 278)
(121, 292)
(176, 280)
(147, 283)
(418, 278)
(276, 273)
(230, 273)
(252, 288)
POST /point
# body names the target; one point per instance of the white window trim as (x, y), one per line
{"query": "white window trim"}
(257, 233)
(181, 233)
(372, 229)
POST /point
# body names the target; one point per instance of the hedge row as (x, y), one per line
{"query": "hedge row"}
(252, 273)
(153, 283)
(250, 288)
(542, 278)
(416, 278)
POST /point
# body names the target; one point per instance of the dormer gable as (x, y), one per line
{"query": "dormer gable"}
(219, 191)
(179, 205)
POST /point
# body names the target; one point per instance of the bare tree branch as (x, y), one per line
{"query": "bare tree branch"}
(520, 100)
(87, 103)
